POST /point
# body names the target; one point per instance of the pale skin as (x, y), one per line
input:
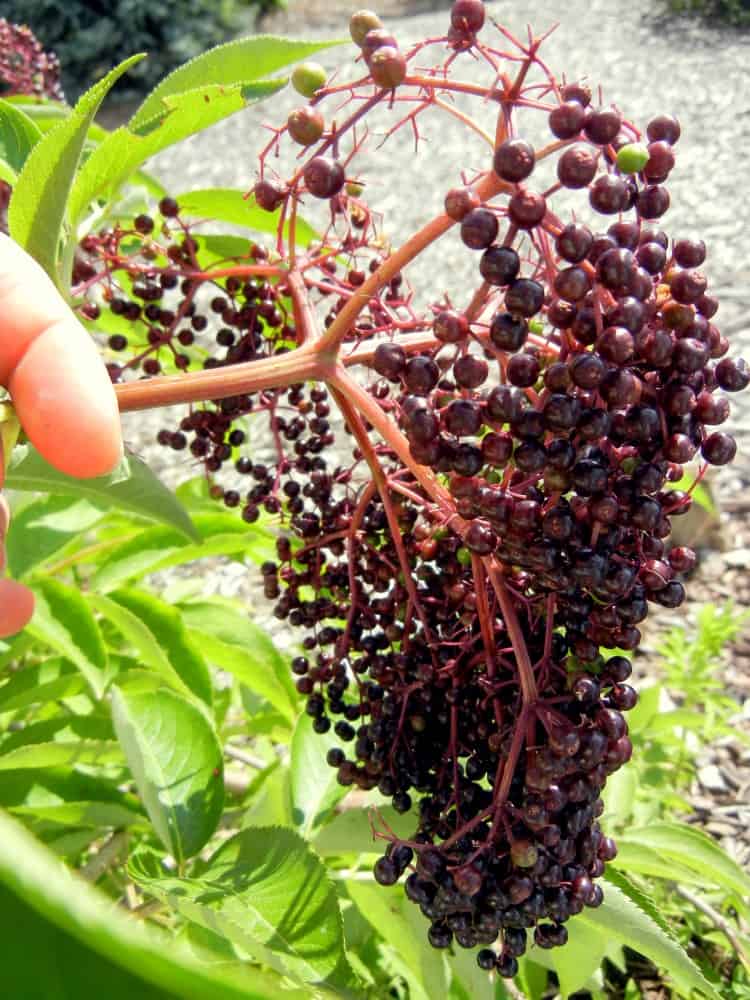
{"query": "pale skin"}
(59, 387)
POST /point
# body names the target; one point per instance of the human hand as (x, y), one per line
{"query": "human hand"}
(60, 390)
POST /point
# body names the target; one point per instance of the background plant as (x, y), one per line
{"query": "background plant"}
(140, 277)
(84, 33)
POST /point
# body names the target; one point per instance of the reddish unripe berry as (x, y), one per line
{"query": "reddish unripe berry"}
(460, 201)
(526, 209)
(169, 208)
(689, 253)
(514, 160)
(719, 448)
(467, 15)
(387, 67)
(653, 202)
(377, 39)
(609, 194)
(479, 229)
(602, 126)
(576, 167)
(324, 177)
(450, 327)
(305, 126)
(268, 195)
(566, 120)
(663, 128)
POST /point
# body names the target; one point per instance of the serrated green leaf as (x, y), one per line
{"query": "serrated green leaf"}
(639, 897)
(126, 149)
(233, 63)
(578, 960)
(267, 892)
(621, 919)
(132, 486)
(314, 788)
(159, 548)
(63, 621)
(642, 860)
(52, 680)
(45, 526)
(385, 908)
(18, 135)
(351, 831)
(90, 948)
(176, 762)
(161, 625)
(180, 672)
(37, 209)
(243, 649)
(77, 814)
(61, 754)
(229, 205)
(693, 849)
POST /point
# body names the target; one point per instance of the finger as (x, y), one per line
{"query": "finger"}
(61, 391)
(16, 607)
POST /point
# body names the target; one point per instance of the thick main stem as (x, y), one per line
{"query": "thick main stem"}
(299, 365)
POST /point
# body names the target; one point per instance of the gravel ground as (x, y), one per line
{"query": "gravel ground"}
(645, 67)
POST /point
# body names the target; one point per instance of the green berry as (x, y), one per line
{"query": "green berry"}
(308, 77)
(632, 158)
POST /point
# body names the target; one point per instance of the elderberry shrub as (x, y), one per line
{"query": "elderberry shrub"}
(462, 578)
(25, 69)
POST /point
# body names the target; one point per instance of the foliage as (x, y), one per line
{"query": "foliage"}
(84, 34)
(733, 12)
(123, 778)
(153, 742)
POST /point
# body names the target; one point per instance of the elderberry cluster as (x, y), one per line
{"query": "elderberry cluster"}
(25, 68)
(467, 578)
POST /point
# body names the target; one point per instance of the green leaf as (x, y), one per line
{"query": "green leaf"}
(132, 486)
(45, 526)
(60, 754)
(53, 680)
(161, 639)
(90, 948)
(384, 909)
(81, 814)
(7, 173)
(620, 919)
(639, 897)
(176, 761)
(577, 962)
(350, 832)
(236, 62)
(232, 642)
(693, 849)
(267, 892)
(229, 205)
(18, 135)
(64, 621)
(315, 790)
(37, 208)
(118, 156)
(160, 548)
(642, 860)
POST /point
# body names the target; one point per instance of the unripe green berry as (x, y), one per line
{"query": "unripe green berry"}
(387, 67)
(308, 78)
(632, 158)
(361, 22)
(305, 126)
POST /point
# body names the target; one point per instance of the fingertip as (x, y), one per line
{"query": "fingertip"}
(16, 607)
(67, 404)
